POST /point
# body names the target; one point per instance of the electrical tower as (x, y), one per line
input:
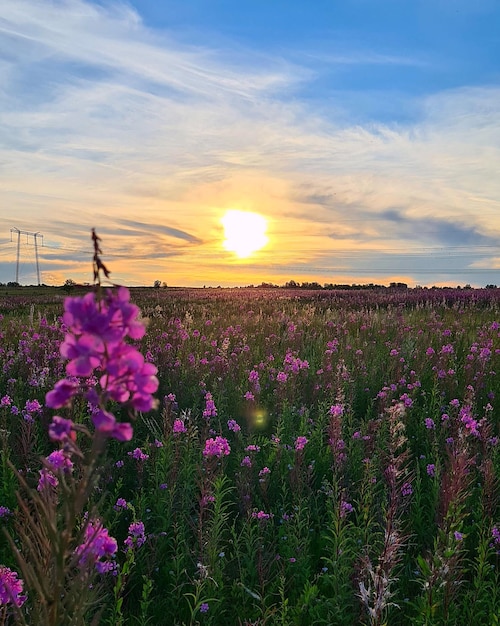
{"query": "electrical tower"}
(28, 235)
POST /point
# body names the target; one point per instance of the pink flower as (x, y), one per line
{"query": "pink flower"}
(62, 394)
(11, 587)
(337, 410)
(210, 409)
(282, 377)
(345, 508)
(60, 428)
(260, 515)
(136, 537)
(106, 423)
(406, 489)
(95, 341)
(216, 447)
(300, 443)
(46, 480)
(138, 455)
(59, 460)
(97, 544)
(179, 427)
(233, 425)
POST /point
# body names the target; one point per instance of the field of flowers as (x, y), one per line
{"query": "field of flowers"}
(309, 458)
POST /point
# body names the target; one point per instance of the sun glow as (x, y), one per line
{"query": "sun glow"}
(244, 232)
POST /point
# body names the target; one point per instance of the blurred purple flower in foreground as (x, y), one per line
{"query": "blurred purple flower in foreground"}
(96, 341)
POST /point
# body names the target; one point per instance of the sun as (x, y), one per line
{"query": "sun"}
(244, 232)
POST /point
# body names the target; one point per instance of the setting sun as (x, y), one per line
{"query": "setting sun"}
(244, 232)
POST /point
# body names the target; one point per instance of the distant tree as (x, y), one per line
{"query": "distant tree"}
(13, 283)
(157, 284)
(69, 285)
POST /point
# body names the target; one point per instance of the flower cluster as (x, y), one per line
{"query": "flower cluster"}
(98, 547)
(300, 443)
(234, 426)
(216, 447)
(136, 537)
(210, 409)
(138, 455)
(5, 511)
(179, 427)
(11, 587)
(95, 346)
(261, 515)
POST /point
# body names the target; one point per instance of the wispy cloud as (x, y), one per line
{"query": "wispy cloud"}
(108, 123)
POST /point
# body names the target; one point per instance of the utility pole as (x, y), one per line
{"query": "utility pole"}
(28, 235)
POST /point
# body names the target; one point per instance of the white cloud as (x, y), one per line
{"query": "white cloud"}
(105, 119)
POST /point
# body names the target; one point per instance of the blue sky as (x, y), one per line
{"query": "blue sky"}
(366, 132)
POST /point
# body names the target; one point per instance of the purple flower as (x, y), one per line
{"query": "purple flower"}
(11, 587)
(179, 427)
(406, 489)
(97, 544)
(96, 341)
(5, 511)
(5, 401)
(32, 406)
(106, 424)
(260, 515)
(337, 410)
(282, 377)
(210, 409)
(345, 508)
(136, 537)
(59, 460)
(121, 503)
(60, 429)
(246, 462)
(46, 480)
(138, 455)
(233, 425)
(431, 469)
(458, 536)
(216, 447)
(300, 443)
(429, 423)
(204, 607)
(495, 535)
(62, 394)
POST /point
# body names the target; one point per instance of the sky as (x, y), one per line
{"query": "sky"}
(366, 133)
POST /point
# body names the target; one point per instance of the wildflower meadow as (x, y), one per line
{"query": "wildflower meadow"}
(249, 457)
